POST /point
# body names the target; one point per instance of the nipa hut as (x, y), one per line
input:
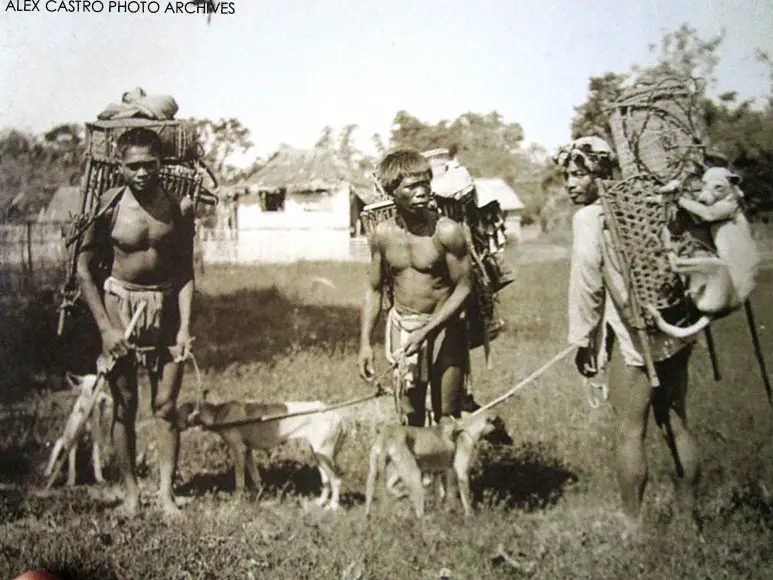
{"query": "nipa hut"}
(303, 205)
(495, 188)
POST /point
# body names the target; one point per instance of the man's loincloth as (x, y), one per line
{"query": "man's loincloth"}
(420, 366)
(156, 329)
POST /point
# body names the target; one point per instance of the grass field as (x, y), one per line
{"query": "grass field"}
(549, 501)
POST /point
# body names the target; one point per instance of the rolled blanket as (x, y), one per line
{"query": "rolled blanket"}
(137, 104)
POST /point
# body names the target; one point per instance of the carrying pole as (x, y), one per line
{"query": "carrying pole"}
(747, 306)
(63, 451)
(636, 310)
(712, 353)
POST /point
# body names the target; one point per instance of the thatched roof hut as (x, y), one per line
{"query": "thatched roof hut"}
(496, 188)
(309, 171)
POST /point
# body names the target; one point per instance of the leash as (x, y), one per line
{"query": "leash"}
(501, 399)
(597, 392)
(380, 391)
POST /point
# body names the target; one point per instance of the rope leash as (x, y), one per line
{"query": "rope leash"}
(501, 399)
(597, 392)
(380, 392)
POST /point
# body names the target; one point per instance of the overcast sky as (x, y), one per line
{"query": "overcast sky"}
(288, 68)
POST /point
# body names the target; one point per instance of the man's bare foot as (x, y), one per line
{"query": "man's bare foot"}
(130, 506)
(169, 506)
(631, 529)
(690, 525)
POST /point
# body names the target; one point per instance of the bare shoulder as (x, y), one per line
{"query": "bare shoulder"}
(450, 234)
(381, 235)
(111, 197)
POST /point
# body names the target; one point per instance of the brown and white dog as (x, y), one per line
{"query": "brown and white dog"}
(239, 424)
(444, 449)
(85, 387)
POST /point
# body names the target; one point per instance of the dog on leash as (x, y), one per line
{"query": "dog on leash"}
(241, 426)
(84, 385)
(446, 448)
(497, 436)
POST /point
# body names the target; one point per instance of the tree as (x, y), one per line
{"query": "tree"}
(346, 149)
(744, 135)
(378, 144)
(220, 140)
(592, 117)
(325, 140)
(682, 52)
(741, 132)
(486, 145)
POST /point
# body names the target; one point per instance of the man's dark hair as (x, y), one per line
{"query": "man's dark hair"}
(400, 164)
(139, 137)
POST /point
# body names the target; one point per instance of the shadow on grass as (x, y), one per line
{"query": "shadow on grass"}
(20, 451)
(278, 479)
(524, 477)
(17, 503)
(262, 325)
(34, 357)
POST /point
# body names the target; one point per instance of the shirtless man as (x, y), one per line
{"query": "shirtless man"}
(148, 237)
(425, 257)
(591, 312)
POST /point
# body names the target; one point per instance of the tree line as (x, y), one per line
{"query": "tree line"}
(486, 143)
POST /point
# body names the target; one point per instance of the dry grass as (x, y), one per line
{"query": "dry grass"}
(549, 501)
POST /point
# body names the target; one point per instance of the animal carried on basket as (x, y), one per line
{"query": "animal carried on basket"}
(183, 174)
(677, 235)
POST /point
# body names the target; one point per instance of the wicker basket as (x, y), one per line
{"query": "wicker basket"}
(375, 213)
(179, 139)
(177, 180)
(641, 221)
(657, 128)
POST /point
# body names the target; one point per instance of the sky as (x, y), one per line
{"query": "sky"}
(286, 69)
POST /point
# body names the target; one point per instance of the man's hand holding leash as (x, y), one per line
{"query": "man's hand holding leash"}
(585, 361)
(182, 349)
(114, 344)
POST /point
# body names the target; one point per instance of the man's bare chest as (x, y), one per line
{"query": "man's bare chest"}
(139, 228)
(414, 252)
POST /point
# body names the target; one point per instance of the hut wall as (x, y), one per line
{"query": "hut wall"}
(312, 227)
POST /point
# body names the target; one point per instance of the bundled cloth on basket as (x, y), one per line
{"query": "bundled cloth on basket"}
(137, 103)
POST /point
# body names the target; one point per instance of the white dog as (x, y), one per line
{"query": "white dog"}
(85, 387)
(241, 426)
(717, 283)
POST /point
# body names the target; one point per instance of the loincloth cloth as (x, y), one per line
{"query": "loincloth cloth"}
(413, 368)
(157, 326)
(420, 367)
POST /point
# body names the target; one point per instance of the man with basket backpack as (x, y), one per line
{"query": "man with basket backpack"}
(598, 305)
(423, 256)
(144, 235)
